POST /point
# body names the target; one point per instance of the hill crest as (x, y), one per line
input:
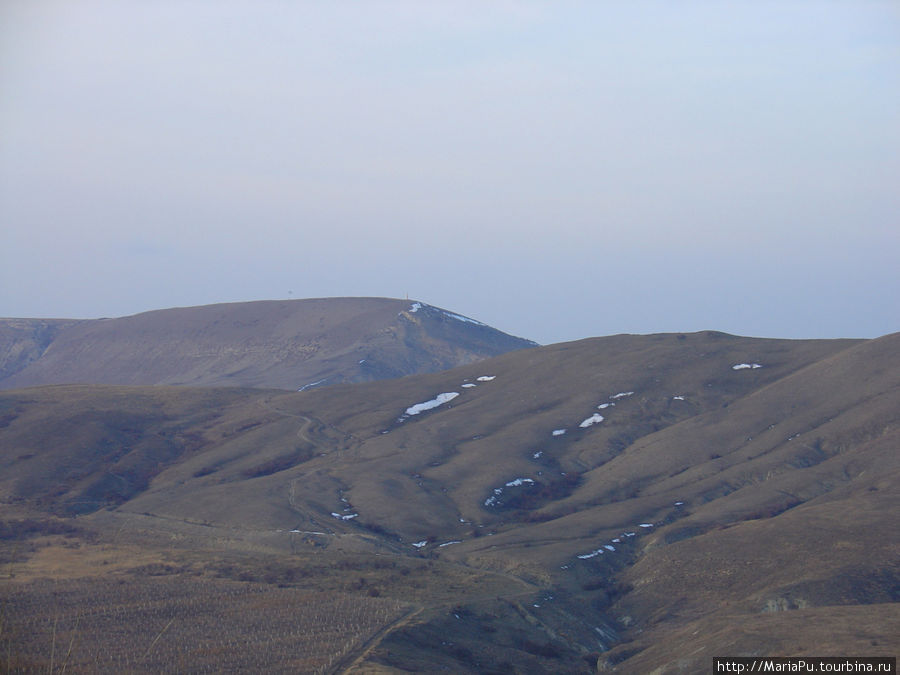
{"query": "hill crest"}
(284, 344)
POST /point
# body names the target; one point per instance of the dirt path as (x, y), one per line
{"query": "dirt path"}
(357, 655)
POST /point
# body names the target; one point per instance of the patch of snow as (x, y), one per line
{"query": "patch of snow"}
(468, 385)
(630, 534)
(420, 544)
(311, 385)
(518, 482)
(596, 418)
(538, 454)
(616, 540)
(449, 543)
(679, 503)
(678, 398)
(460, 317)
(622, 394)
(744, 366)
(349, 516)
(559, 432)
(416, 306)
(646, 525)
(596, 552)
(486, 378)
(604, 406)
(433, 403)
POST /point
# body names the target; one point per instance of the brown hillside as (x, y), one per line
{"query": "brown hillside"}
(737, 511)
(287, 344)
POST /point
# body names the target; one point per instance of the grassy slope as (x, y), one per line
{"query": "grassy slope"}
(786, 474)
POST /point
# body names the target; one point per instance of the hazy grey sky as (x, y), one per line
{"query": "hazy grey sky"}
(556, 169)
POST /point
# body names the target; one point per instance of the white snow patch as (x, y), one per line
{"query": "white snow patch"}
(460, 317)
(416, 306)
(744, 366)
(492, 500)
(679, 503)
(433, 403)
(646, 525)
(486, 378)
(349, 516)
(538, 454)
(616, 540)
(469, 385)
(420, 544)
(449, 543)
(604, 406)
(596, 552)
(596, 418)
(622, 394)
(559, 432)
(592, 554)
(311, 385)
(678, 398)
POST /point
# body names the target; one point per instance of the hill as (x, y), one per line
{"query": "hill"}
(287, 344)
(630, 503)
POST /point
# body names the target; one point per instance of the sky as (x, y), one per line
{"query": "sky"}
(558, 170)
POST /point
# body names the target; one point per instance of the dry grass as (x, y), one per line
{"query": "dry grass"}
(174, 624)
(787, 474)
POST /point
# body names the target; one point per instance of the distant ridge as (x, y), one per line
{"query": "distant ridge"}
(282, 344)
